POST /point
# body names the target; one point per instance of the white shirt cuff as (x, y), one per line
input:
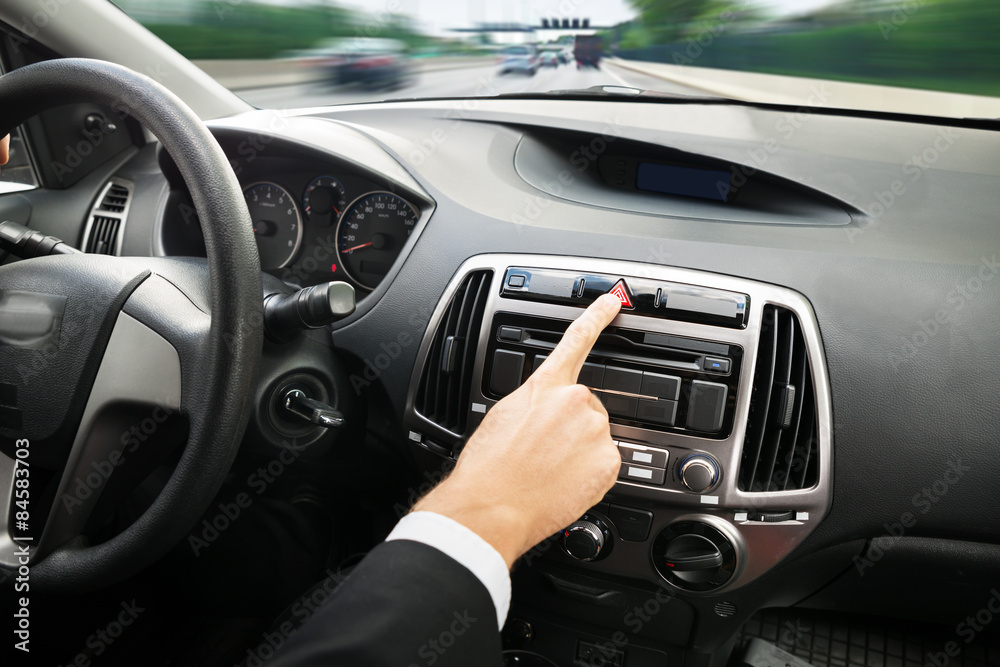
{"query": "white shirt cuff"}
(455, 540)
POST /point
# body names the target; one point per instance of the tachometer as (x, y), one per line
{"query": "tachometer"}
(371, 235)
(277, 225)
(324, 200)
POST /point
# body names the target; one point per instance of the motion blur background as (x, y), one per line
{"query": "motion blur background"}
(287, 53)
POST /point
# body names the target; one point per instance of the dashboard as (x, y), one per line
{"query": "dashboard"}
(794, 367)
(315, 220)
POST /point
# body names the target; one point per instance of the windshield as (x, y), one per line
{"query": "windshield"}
(299, 53)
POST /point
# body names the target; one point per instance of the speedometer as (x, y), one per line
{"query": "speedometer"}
(371, 235)
(277, 225)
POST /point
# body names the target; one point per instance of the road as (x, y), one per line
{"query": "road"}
(479, 80)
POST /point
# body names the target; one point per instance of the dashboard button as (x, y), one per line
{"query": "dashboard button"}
(647, 456)
(656, 412)
(707, 406)
(633, 524)
(622, 379)
(661, 386)
(506, 374)
(644, 474)
(516, 281)
(620, 406)
(717, 365)
(591, 375)
(510, 333)
(537, 361)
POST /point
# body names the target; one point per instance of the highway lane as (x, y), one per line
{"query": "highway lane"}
(480, 80)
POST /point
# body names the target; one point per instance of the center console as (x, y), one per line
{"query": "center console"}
(715, 387)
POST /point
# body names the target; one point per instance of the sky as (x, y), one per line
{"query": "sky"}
(438, 16)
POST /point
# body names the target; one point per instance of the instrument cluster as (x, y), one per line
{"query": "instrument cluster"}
(313, 228)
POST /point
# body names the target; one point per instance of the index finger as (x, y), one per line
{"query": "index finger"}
(4, 143)
(566, 360)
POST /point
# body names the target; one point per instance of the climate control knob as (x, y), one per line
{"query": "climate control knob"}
(699, 472)
(585, 540)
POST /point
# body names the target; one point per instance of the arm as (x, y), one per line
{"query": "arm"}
(516, 483)
(542, 456)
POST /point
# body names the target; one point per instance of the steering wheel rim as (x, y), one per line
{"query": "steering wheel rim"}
(233, 342)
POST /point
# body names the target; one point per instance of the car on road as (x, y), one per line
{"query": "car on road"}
(521, 59)
(548, 59)
(369, 62)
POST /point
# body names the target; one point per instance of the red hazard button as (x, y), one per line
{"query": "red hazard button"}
(621, 291)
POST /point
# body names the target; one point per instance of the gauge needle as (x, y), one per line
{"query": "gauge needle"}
(358, 247)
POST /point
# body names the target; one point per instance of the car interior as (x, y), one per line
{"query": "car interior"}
(219, 424)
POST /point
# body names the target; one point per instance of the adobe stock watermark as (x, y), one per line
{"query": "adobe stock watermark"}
(913, 170)
(104, 637)
(960, 296)
(582, 159)
(391, 351)
(923, 502)
(30, 26)
(710, 30)
(635, 619)
(301, 611)
(229, 512)
(786, 126)
(131, 439)
(902, 12)
(435, 647)
(460, 110)
(967, 629)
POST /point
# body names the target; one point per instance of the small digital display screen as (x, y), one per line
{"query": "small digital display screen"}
(684, 181)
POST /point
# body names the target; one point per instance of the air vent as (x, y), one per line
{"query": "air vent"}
(107, 218)
(116, 199)
(103, 239)
(446, 380)
(780, 449)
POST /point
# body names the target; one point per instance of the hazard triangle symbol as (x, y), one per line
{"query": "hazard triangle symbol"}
(620, 290)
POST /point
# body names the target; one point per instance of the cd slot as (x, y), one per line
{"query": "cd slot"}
(668, 384)
(619, 348)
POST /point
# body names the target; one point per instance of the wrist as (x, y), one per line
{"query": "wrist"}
(499, 525)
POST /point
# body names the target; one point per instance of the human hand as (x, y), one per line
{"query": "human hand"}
(4, 148)
(542, 456)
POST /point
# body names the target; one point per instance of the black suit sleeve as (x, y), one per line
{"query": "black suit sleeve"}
(406, 604)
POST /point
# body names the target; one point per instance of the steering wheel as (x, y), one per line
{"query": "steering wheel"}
(93, 343)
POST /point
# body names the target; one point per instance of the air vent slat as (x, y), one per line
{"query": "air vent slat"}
(103, 236)
(776, 408)
(115, 200)
(780, 437)
(760, 401)
(107, 219)
(795, 421)
(443, 394)
(471, 334)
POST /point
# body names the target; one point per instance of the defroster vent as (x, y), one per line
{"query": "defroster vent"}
(780, 449)
(446, 380)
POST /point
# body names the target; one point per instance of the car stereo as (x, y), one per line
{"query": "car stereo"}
(716, 393)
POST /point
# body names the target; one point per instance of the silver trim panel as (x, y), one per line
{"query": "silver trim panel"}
(766, 544)
(135, 354)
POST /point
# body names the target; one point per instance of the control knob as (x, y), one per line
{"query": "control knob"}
(699, 472)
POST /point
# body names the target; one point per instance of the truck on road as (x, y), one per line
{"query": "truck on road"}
(588, 50)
